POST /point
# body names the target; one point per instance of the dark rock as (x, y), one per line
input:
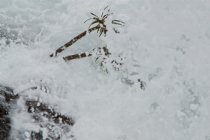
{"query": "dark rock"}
(46, 117)
(56, 123)
(36, 135)
(5, 122)
(49, 112)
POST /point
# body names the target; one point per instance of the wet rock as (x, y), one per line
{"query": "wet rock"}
(5, 122)
(36, 135)
(42, 115)
(56, 124)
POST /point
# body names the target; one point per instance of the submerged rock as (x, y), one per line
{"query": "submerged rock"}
(5, 122)
(42, 115)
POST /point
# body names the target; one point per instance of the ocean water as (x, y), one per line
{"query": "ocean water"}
(165, 43)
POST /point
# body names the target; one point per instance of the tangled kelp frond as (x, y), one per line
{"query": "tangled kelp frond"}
(101, 21)
(99, 25)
